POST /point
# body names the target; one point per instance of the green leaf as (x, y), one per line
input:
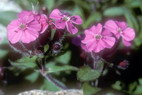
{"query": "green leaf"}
(6, 17)
(53, 33)
(54, 68)
(27, 59)
(94, 17)
(22, 65)
(32, 77)
(132, 22)
(140, 81)
(138, 90)
(89, 90)
(3, 53)
(117, 85)
(46, 47)
(82, 4)
(133, 3)
(65, 58)
(114, 11)
(49, 86)
(25, 62)
(132, 87)
(87, 74)
(50, 4)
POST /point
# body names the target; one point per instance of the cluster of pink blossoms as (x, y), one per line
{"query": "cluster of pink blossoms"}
(100, 37)
(30, 25)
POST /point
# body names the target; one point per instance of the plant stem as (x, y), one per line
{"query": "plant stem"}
(52, 80)
(41, 65)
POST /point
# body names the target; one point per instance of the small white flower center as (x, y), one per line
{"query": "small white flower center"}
(66, 18)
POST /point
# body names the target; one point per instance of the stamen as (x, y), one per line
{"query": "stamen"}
(66, 18)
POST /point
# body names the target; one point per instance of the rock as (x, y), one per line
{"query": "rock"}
(62, 92)
(1, 92)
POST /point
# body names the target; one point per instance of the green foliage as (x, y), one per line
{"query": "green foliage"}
(32, 77)
(52, 68)
(65, 58)
(117, 85)
(25, 62)
(136, 88)
(7, 16)
(88, 89)
(87, 74)
(50, 4)
(131, 19)
(92, 12)
(94, 17)
(46, 47)
(3, 53)
(114, 11)
(49, 86)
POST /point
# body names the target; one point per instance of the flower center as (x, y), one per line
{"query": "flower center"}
(22, 26)
(120, 30)
(66, 18)
(98, 37)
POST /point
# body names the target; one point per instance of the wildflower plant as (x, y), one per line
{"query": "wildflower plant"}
(42, 38)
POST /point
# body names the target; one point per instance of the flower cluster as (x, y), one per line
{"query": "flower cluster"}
(30, 25)
(100, 37)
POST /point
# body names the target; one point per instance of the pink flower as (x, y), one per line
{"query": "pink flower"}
(63, 20)
(41, 18)
(27, 27)
(120, 29)
(96, 40)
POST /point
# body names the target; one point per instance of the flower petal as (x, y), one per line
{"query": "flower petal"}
(76, 19)
(43, 22)
(34, 26)
(71, 28)
(56, 14)
(28, 36)
(106, 33)
(91, 45)
(121, 24)
(98, 28)
(111, 26)
(14, 34)
(109, 41)
(87, 39)
(13, 26)
(24, 13)
(126, 43)
(60, 24)
(100, 45)
(128, 34)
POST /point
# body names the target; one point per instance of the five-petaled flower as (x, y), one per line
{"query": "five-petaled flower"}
(27, 27)
(120, 29)
(97, 39)
(63, 19)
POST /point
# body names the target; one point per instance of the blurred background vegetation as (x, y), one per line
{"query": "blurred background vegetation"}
(92, 12)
